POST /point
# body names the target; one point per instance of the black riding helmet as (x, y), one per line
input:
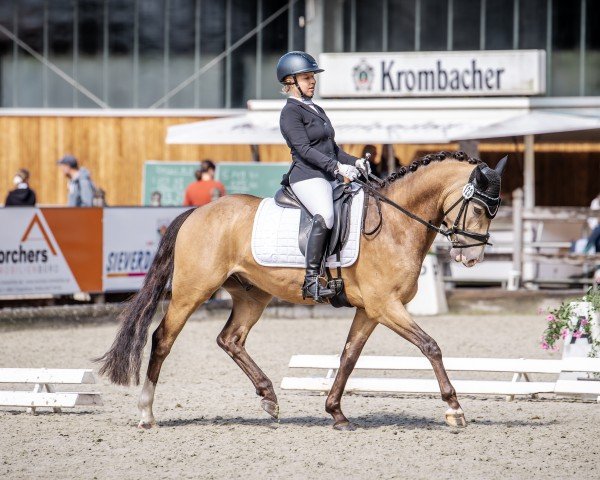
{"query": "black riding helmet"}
(293, 63)
(296, 62)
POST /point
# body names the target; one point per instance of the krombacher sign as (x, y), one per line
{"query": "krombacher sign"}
(433, 74)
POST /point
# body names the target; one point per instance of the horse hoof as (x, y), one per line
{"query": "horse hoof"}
(147, 425)
(455, 418)
(270, 407)
(344, 426)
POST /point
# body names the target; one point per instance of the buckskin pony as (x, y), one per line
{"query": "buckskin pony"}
(209, 247)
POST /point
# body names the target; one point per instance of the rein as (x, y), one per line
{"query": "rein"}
(450, 233)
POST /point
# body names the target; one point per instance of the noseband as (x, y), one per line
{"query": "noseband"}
(470, 193)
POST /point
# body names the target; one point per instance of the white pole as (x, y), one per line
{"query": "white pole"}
(529, 173)
(529, 268)
(314, 29)
(514, 279)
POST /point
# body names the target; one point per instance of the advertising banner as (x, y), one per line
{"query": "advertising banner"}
(433, 74)
(50, 251)
(131, 238)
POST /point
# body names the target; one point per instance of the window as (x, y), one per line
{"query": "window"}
(434, 25)
(499, 24)
(466, 25)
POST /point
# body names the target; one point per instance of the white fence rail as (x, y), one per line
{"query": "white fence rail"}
(44, 393)
(520, 384)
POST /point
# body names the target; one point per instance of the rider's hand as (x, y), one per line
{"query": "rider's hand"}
(363, 164)
(348, 171)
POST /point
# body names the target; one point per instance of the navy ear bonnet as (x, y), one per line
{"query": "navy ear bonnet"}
(486, 181)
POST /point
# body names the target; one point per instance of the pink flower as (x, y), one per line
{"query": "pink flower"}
(584, 322)
(564, 333)
(545, 345)
(577, 334)
(550, 318)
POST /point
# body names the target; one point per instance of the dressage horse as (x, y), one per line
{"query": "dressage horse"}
(209, 247)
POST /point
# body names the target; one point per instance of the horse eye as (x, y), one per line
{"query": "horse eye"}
(477, 211)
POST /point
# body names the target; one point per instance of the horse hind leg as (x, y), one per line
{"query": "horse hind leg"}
(248, 306)
(183, 303)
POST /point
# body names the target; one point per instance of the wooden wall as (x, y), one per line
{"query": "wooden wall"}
(114, 150)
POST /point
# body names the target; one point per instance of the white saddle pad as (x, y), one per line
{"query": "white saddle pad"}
(275, 235)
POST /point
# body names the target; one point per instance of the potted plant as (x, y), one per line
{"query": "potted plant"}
(577, 322)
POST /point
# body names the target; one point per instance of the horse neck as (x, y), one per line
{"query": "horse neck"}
(424, 193)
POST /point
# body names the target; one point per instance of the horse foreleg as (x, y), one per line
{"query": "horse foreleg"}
(360, 331)
(246, 311)
(400, 321)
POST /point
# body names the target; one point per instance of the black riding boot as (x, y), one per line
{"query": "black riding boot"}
(315, 249)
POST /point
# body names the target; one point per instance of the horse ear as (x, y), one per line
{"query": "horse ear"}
(501, 165)
(481, 180)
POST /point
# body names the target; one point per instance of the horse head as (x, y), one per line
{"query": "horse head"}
(480, 203)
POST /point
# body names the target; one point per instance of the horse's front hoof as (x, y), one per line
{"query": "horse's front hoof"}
(270, 407)
(344, 426)
(456, 418)
(147, 425)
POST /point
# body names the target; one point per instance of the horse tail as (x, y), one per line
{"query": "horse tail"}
(122, 362)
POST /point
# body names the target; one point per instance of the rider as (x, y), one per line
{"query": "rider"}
(316, 160)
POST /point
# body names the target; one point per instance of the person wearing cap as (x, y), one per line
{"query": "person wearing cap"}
(81, 187)
(22, 195)
(316, 160)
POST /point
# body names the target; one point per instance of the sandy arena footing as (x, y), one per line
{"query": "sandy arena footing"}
(212, 426)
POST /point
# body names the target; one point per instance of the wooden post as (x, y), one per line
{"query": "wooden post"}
(255, 153)
(516, 274)
(390, 158)
(470, 147)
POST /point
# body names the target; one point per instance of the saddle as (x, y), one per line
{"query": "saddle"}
(342, 203)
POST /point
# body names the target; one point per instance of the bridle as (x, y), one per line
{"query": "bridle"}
(470, 193)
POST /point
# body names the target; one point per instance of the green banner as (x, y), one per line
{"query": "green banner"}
(172, 178)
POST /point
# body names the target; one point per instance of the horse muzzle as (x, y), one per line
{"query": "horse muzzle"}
(467, 256)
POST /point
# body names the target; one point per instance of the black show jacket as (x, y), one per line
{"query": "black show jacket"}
(311, 139)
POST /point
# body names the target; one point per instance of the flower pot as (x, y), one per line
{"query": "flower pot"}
(580, 347)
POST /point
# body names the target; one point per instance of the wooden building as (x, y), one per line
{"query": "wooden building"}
(114, 145)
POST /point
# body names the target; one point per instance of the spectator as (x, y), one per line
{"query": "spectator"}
(81, 187)
(205, 189)
(99, 199)
(22, 195)
(594, 238)
(156, 199)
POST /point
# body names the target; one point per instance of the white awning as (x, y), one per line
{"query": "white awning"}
(535, 123)
(403, 121)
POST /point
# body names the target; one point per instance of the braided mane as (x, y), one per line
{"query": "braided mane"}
(426, 160)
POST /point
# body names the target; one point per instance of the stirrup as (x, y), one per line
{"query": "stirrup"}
(320, 294)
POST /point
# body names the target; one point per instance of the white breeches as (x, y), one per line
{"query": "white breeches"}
(316, 194)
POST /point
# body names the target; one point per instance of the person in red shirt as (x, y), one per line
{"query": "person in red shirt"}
(205, 189)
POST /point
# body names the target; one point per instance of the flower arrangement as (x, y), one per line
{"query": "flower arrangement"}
(560, 326)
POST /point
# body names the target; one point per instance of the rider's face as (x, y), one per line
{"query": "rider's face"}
(307, 82)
